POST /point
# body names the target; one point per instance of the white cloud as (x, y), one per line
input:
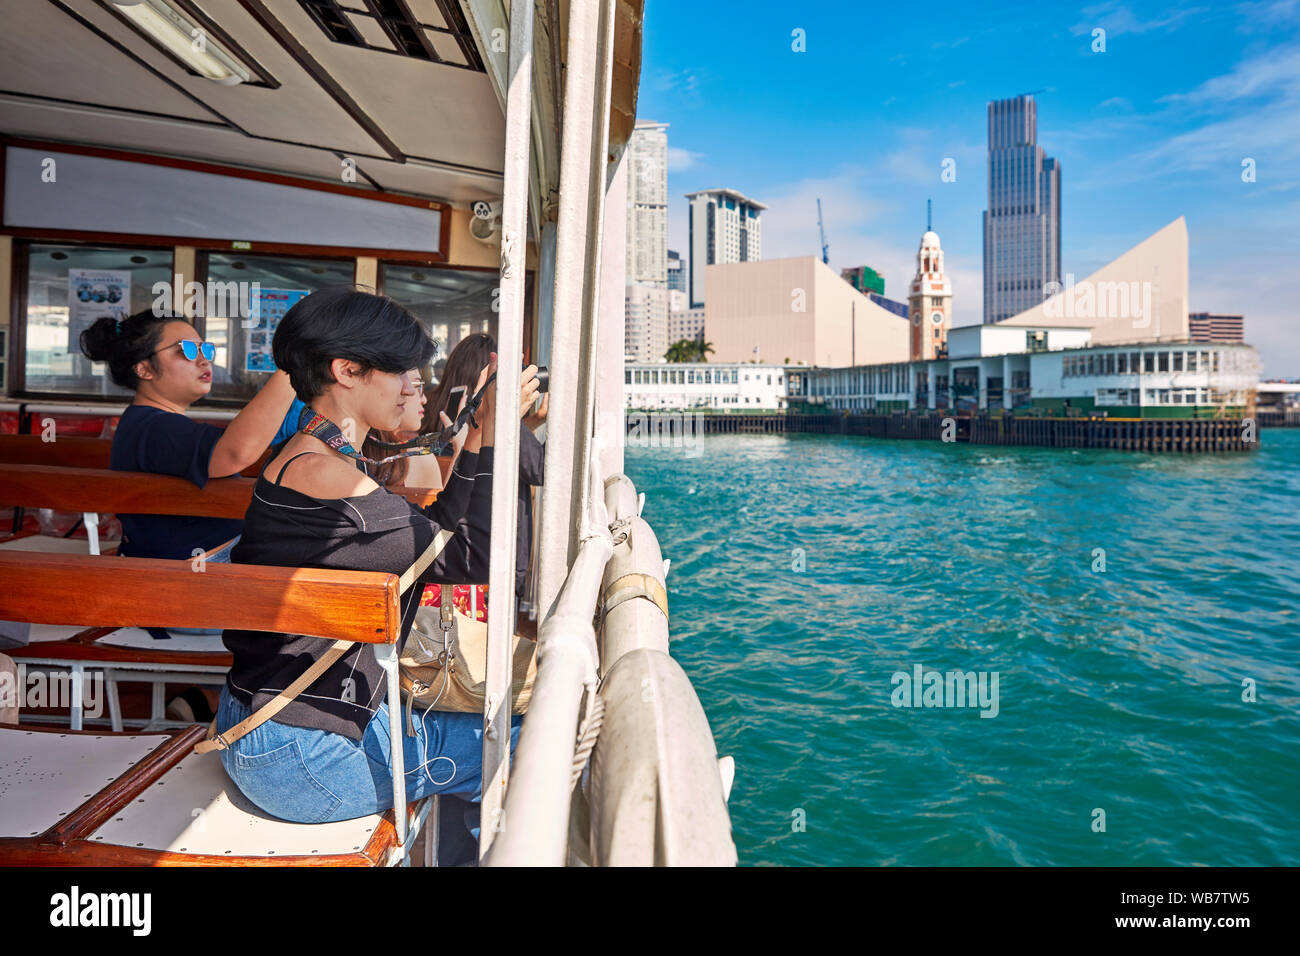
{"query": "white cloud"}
(1277, 72)
(680, 159)
(684, 82)
(1117, 19)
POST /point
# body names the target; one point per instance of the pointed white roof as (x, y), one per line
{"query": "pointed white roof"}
(1154, 273)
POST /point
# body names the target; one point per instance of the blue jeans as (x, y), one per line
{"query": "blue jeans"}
(314, 776)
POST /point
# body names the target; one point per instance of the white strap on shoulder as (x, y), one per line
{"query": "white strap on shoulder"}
(434, 549)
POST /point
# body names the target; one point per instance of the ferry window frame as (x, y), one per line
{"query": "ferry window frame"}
(20, 273)
(202, 273)
(531, 314)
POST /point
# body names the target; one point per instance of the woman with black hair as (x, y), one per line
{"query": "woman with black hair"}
(457, 377)
(325, 756)
(165, 362)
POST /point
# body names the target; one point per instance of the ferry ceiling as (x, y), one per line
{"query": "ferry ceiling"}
(411, 92)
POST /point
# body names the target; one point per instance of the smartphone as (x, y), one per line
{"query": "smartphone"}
(453, 401)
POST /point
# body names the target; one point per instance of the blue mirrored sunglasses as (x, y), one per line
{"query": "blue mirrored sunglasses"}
(191, 349)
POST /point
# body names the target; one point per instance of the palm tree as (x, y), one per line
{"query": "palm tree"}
(702, 350)
(680, 351)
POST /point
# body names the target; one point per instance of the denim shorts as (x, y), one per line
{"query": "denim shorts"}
(315, 776)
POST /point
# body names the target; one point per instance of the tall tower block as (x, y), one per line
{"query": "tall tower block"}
(929, 301)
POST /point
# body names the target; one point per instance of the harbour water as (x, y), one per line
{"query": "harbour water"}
(807, 570)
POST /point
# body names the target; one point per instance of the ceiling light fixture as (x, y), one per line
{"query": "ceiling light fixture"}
(184, 39)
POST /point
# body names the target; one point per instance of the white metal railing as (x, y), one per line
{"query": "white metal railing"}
(533, 827)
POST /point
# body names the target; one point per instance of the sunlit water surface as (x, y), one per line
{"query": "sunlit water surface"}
(1119, 691)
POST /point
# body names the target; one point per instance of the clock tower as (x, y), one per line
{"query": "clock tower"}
(929, 301)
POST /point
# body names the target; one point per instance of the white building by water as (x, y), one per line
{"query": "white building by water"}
(729, 386)
(1057, 371)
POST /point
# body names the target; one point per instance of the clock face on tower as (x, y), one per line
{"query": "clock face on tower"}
(937, 318)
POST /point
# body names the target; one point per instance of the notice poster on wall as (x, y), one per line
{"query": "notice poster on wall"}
(92, 294)
(265, 311)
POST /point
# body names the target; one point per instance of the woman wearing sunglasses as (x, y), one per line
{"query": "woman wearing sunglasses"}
(164, 361)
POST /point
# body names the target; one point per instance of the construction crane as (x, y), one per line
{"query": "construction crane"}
(822, 229)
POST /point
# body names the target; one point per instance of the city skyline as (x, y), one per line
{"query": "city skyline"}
(1157, 117)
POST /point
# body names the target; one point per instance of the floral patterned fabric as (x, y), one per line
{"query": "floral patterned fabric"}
(460, 595)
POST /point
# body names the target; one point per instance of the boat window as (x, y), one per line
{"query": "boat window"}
(68, 287)
(264, 288)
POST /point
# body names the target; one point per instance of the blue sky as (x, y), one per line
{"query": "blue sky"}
(1154, 127)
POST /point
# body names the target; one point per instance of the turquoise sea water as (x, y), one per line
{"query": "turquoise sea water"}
(1118, 690)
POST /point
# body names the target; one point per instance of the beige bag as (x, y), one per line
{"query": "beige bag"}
(444, 663)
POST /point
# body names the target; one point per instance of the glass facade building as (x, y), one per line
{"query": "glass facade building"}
(1022, 225)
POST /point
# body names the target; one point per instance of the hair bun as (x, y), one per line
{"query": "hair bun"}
(99, 342)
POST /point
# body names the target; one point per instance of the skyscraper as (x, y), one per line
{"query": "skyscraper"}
(647, 205)
(1022, 225)
(645, 327)
(724, 228)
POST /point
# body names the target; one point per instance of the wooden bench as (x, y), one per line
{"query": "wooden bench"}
(95, 491)
(124, 654)
(147, 799)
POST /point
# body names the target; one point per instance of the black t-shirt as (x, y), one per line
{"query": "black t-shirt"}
(532, 471)
(167, 443)
(380, 531)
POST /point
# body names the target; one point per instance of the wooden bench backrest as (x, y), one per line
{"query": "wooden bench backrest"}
(121, 492)
(130, 492)
(94, 453)
(124, 592)
(74, 452)
(66, 452)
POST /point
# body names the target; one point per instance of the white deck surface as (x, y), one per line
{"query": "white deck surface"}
(131, 637)
(45, 776)
(196, 809)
